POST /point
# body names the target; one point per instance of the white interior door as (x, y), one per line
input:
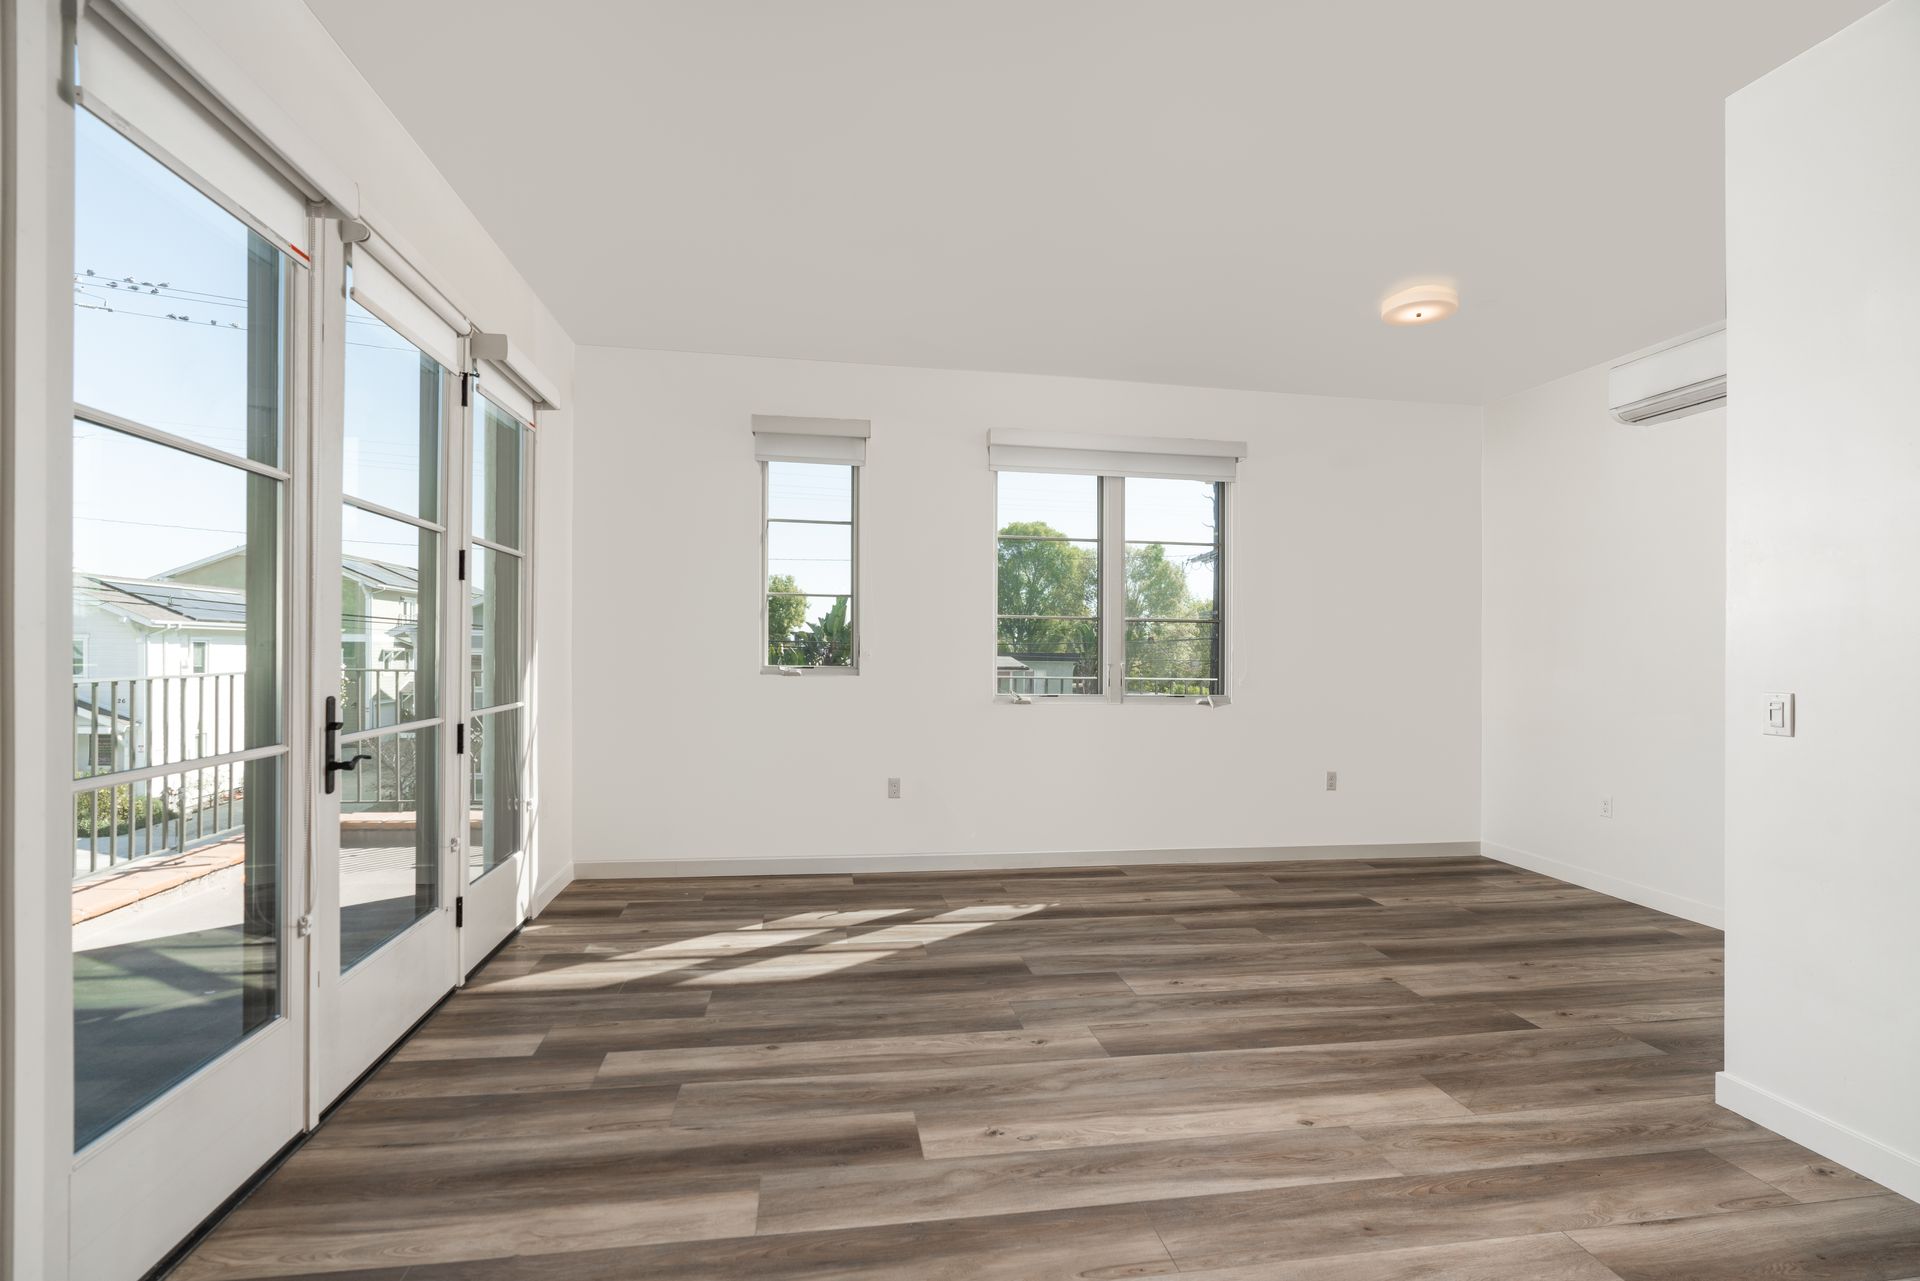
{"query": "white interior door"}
(385, 693)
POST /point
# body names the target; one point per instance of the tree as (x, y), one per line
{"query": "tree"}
(828, 640)
(1177, 640)
(1050, 579)
(785, 614)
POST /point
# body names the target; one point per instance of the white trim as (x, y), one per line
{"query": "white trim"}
(1898, 1171)
(549, 889)
(1632, 891)
(802, 865)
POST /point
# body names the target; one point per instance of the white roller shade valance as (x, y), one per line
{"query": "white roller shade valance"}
(778, 439)
(509, 376)
(403, 308)
(126, 79)
(1165, 456)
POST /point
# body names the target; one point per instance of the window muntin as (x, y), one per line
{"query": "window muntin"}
(810, 538)
(1048, 566)
(1174, 574)
(179, 502)
(1100, 572)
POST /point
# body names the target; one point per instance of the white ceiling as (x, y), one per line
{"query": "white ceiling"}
(1214, 192)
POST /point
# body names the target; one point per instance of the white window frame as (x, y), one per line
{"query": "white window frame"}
(833, 442)
(82, 655)
(1112, 459)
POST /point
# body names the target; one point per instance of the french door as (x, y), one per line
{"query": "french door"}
(383, 694)
(301, 524)
(191, 314)
(497, 870)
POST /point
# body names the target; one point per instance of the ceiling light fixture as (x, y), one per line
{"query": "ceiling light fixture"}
(1420, 305)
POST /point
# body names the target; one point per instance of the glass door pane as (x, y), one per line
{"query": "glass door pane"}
(390, 577)
(179, 715)
(496, 595)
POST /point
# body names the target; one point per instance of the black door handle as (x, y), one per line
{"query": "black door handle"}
(331, 747)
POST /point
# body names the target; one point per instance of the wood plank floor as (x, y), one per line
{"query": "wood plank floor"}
(1398, 1070)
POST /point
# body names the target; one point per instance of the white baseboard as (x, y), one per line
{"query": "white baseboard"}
(840, 863)
(545, 893)
(1887, 1166)
(1632, 891)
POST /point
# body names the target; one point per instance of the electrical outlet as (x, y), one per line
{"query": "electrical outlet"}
(1333, 780)
(1606, 807)
(893, 789)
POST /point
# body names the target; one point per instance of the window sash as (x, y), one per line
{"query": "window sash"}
(1111, 618)
(767, 594)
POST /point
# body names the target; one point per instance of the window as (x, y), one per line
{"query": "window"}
(1110, 567)
(1049, 584)
(810, 561)
(80, 656)
(1175, 567)
(199, 657)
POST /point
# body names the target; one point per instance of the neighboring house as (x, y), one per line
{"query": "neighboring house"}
(1035, 673)
(159, 663)
(157, 670)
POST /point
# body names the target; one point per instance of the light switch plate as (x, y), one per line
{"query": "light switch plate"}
(1779, 711)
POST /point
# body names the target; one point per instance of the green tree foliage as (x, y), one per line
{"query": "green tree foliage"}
(828, 640)
(785, 614)
(1169, 646)
(1060, 578)
(1048, 578)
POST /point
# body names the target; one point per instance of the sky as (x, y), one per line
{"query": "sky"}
(160, 337)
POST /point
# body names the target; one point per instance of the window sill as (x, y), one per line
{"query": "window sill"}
(1101, 700)
(809, 671)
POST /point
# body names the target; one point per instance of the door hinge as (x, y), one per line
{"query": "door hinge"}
(459, 912)
(463, 565)
(460, 739)
(463, 389)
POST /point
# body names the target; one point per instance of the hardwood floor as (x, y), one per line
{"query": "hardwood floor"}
(1412, 1070)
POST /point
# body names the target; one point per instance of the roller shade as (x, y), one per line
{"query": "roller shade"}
(127, 80)
(810, 440)
(401, 308)
(1163, 456)
(507, 369)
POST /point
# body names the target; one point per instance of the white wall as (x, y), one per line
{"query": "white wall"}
(1823, 498)
(1355, 625)
(1603, 623)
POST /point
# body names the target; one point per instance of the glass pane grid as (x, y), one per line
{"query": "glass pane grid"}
(809, 535)
(1048, 622)
(179, 339)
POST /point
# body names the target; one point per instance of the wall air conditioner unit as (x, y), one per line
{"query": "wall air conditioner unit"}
(1683, 377)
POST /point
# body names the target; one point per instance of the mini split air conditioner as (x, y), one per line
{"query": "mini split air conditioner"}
(1683, 377)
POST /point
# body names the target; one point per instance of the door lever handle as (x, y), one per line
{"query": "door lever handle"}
(332, 746)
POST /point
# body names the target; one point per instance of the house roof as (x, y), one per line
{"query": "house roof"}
(158, 603)
(382, 574)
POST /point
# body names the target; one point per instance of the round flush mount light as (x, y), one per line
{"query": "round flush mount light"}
(1420, 305)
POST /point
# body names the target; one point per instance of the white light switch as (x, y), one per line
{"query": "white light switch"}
(1779, 716)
